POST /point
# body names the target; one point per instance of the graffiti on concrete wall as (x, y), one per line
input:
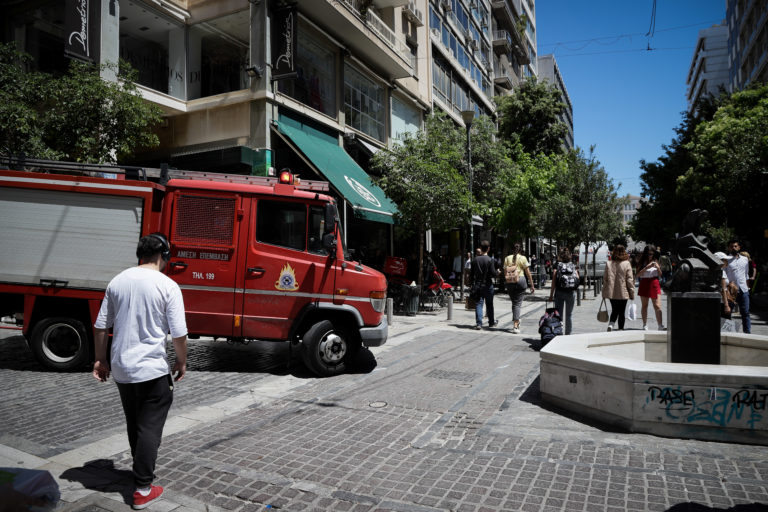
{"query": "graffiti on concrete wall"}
(735, 408)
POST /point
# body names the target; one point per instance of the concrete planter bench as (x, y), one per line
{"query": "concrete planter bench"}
(623, 379)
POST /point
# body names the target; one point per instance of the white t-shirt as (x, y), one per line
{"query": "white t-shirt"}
(737, 271)
(142, 305)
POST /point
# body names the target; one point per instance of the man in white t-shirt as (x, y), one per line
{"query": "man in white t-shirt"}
(737, 272)
(142, 305)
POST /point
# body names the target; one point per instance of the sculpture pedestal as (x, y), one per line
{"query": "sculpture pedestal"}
(693, 323)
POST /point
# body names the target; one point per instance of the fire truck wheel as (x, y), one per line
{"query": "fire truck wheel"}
(329, 349)
(61, 343)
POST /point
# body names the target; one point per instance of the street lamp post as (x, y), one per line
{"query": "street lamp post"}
(468, 116)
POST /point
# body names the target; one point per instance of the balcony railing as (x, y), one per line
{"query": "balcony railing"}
(378, 26)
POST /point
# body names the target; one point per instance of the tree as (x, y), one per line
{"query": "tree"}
(423, 177)
(663, 209)
(530, 116)
(526, 187)
(585, 205)
(22, 94)
(730, 155)
(77, 116)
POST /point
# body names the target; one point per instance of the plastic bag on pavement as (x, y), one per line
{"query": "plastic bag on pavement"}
(631, 313)
(31, 489)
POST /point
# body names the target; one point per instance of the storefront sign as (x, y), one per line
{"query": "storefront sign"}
(284, 43)
(81, 29)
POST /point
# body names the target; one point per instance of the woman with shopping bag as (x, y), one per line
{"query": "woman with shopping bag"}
(618, 285)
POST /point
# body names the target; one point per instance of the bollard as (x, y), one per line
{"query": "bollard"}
(450, 307)
(390, 306)
(578, 297)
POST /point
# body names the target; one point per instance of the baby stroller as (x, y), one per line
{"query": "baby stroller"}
(550, 325)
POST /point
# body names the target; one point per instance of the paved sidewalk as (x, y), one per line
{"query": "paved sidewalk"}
(466, 434)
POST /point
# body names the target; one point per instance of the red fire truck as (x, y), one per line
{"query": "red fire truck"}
(255, 257)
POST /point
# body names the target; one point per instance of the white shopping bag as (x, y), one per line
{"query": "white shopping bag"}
(631, 313)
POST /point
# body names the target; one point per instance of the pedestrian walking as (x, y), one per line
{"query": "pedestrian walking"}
(649, 272)
(618, 285)
(518, 278)
(483, 273)
(142, 305)
(565, 281)
(737, 272)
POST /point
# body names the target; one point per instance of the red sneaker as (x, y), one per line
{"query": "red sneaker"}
(140, 502)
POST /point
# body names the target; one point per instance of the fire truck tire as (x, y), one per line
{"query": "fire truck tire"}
(61, 343)
(329, 349)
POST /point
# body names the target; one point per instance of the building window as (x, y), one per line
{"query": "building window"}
(38, 29)
(155, 46)
(218, 54)
(405, 119)
(364, 107)
(315, 84)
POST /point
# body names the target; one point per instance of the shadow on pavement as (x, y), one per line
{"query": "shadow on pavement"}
(101, 475)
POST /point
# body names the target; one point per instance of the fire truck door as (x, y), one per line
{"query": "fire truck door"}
(286, 267)
(204, 261)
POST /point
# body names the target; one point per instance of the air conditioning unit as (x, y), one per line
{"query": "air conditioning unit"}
(473, 44)
(446, 4)
(484, 23)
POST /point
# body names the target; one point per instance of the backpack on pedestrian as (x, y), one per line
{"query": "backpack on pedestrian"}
(550, 325)
(567, 278)
(512, 272)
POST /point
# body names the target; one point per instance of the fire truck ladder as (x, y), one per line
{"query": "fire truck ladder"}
(161, 175)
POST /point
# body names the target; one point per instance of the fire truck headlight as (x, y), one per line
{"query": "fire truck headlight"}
(378, 299)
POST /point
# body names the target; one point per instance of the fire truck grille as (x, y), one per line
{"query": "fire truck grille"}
(204, 220)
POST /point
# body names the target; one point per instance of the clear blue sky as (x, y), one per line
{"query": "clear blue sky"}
(626, 100)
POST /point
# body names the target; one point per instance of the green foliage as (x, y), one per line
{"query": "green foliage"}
(584, 205)
(526, 189)
(718, 162)
(77, 116)
(530, 116)
(422, 176)
(22, 95)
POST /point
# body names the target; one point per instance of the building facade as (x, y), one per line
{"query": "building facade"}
(709, 66)
(747, 42)
(630, 209)
(549, 70)
(317, 86)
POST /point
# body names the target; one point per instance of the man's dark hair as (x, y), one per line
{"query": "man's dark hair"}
(734, 241)
(485, 245)
(149, 247)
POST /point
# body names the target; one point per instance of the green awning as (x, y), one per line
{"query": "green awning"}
(330, 159)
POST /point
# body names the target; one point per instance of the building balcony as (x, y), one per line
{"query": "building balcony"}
(503, 81)
(502, 42)
(383, 4)
(343, 19)
(413, 14)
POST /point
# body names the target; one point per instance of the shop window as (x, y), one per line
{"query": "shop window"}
(364, 104)
(155, 46)
(315, 83)
(218, 55)
(282, 223)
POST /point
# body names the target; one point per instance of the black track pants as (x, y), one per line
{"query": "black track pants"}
(146, 406)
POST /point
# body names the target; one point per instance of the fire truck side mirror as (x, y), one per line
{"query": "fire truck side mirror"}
(331, 215)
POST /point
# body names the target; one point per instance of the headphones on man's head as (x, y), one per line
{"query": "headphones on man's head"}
(166, 254)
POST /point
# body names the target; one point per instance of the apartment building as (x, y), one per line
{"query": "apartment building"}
(317, 86)
(630, 209)
(548, 70)
(747, 42)
(709, 66)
